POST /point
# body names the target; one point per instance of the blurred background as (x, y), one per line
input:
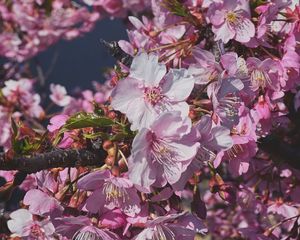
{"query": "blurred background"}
(82, 60)
(78, 62)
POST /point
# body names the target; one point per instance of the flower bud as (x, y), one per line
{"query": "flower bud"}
(107, 145)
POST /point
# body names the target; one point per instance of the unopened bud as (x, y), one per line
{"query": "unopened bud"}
(77, 199)
(122, 165)
(111, 115)
(115, 171)
(110, 160)
(107, 145)
(62, 193)
(153, 34)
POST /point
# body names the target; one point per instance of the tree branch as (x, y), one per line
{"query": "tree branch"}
(54, 159)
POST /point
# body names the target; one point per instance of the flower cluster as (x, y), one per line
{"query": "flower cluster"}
(200, 130)
(28, 27)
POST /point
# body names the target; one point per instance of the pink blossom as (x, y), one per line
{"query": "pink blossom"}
(41, 203)
(244, 145)
(110, 192)
(225, 100)
(231, 21)
(81, 227)
(56, 123)
(165, 227)
(206, 68)
(264, 74)
(152, 91)
(283, 209)
(59, 95)
(213, 138)
(163, 152)
(23, 225)
(21, 92)
(113, 219)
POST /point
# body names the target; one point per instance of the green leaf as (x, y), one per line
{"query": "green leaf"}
(85, 120)
(176, 8)
(103, 136)
(15, 128)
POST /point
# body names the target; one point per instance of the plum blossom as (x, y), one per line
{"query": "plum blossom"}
(23, 225)
(152, 91)
(206, 68)
(114, 219)
(56, 123)
(225, 100)
(166, 227)
(59, 95)
(212, 138)
(264, 74)
(41, 203)
(81, 227)
(231, 20)
(41, 28)
(163, 152)
(21, 92)
(110, 192)
(244, 145)
(5, 132)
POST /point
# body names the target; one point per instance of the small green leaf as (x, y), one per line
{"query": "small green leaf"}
(85, 120)
(103, 136)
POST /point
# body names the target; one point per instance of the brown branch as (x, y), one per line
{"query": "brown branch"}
(54, 159)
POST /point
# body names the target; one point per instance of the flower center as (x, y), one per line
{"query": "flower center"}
(163, 153)
(153, 95)
(36, 232)
(232, 17)
(260, 79)
(163, 233)
(86, 236)
(114, 193)
(229, 105)
(235, 151)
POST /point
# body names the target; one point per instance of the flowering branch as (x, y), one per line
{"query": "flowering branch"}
(54, 159)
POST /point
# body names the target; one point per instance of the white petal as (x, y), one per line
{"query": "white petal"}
(147, 69)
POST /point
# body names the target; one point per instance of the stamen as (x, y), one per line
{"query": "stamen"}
(164, 155)
(234, 151)
(153, 95)
(115, 193)
(260, 79)
(37, 232)
(163, 233)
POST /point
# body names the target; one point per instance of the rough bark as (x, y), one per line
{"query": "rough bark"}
(54, 159)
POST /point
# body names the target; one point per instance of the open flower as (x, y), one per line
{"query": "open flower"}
(110, 192)
(264, 74)
(22, 225)
(149, 91)
(56, 123)
(172, 226)
(80, 228)
(41, 203)
(206, 68)
(231, 21)
(225, 100)
(163, 152)
(59, 95)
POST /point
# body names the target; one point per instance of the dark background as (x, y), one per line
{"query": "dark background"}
(82, 60)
